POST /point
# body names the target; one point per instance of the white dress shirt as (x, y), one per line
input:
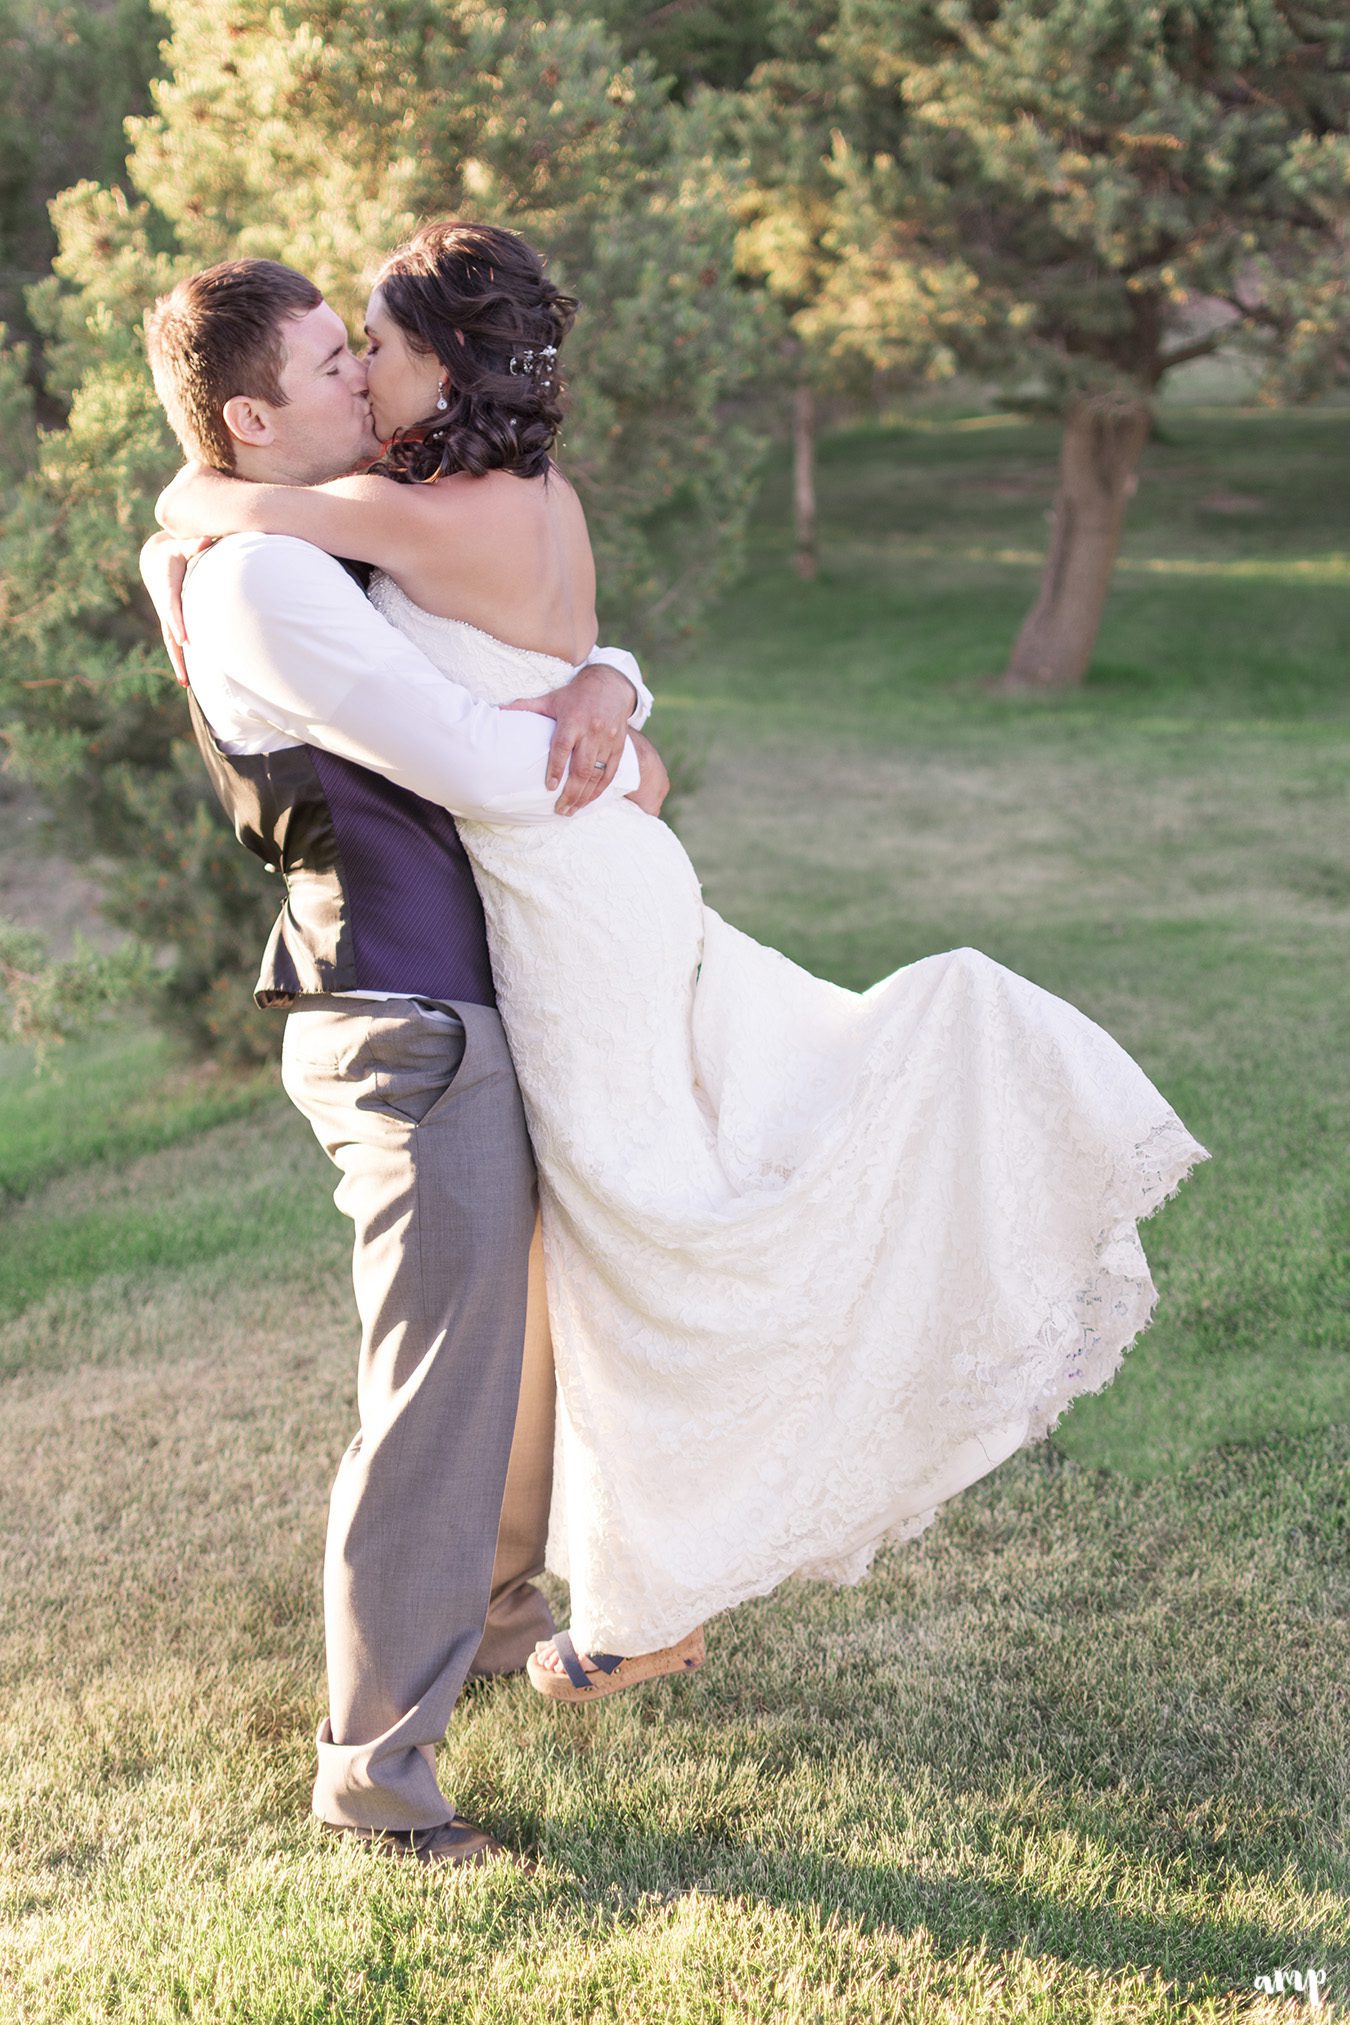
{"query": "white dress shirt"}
(285, 649)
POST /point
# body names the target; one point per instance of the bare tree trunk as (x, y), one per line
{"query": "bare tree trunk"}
(805, 561)
(1102, 442)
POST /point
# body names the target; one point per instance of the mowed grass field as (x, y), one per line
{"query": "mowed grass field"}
(1079, 1754)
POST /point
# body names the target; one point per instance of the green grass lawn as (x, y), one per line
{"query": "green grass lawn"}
(1080, 1753)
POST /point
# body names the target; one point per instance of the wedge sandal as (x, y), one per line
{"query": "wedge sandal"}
(576, 1684)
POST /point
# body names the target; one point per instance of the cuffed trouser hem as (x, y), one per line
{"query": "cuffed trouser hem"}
(378, 1785)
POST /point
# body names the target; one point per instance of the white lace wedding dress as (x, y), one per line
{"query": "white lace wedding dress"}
(816, 1259)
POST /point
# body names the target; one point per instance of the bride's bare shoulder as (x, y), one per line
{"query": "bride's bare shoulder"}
(498, 501)
(508, 487)
(494, 495)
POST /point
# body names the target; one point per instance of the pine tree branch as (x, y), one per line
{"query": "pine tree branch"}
(1251, 312)
(44, 1000)
(1196, 348)
(661, 17)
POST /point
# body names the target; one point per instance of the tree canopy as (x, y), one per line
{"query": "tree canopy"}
(1086, 166)
(71, 74)
(1062, 180)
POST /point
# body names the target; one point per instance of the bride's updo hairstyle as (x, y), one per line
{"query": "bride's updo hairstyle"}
(478, 297)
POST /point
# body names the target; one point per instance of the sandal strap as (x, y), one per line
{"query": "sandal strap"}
(603, 1662)
(567, 1653)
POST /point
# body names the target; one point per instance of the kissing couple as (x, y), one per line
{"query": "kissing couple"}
(813, 1260)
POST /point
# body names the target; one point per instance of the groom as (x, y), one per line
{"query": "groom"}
(341, 756)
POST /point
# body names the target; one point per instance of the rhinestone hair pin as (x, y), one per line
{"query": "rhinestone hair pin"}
(523, 362)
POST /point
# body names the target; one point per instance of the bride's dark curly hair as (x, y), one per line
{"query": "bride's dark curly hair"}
(478, 298)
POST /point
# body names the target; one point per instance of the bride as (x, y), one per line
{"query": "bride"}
(816, 1260)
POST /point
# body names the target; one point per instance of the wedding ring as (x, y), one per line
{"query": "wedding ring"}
(599, 766)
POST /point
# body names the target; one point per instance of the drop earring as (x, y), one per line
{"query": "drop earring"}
(441, 402)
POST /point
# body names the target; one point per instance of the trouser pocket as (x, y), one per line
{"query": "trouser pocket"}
(401, 1064)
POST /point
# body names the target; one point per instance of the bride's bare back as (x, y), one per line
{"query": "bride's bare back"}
(511, 555)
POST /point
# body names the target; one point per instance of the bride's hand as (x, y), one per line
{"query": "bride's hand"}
(592, 714)
(654, 783)
(164, 561)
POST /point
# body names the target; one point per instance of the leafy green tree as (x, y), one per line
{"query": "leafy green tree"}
(319, 133)
(807, 107)
(18, 422)
(784, 120)
(694, 41)
(43, 1003)
(69, 76)
(1043, 188)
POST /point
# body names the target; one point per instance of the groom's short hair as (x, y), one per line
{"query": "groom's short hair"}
(219, 334)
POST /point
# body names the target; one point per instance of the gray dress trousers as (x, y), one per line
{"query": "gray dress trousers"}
(419, 1109)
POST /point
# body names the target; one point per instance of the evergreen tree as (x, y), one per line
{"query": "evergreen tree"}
(806, 108)
(69, 76)
(694, 41)
(1041, 188)
(318, 133)
(786, 116)
(18, 422)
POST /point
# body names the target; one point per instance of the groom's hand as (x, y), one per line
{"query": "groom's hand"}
(592, 714)
(164, 561)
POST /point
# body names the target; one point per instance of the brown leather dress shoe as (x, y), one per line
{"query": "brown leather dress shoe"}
(452, 1842)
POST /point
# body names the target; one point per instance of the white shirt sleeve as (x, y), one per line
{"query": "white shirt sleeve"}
(281, 638)
(626, 664)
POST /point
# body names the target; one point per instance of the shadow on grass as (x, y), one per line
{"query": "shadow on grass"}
(958, 1909)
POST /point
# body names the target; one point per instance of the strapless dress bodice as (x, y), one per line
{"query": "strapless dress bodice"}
(492, 668)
